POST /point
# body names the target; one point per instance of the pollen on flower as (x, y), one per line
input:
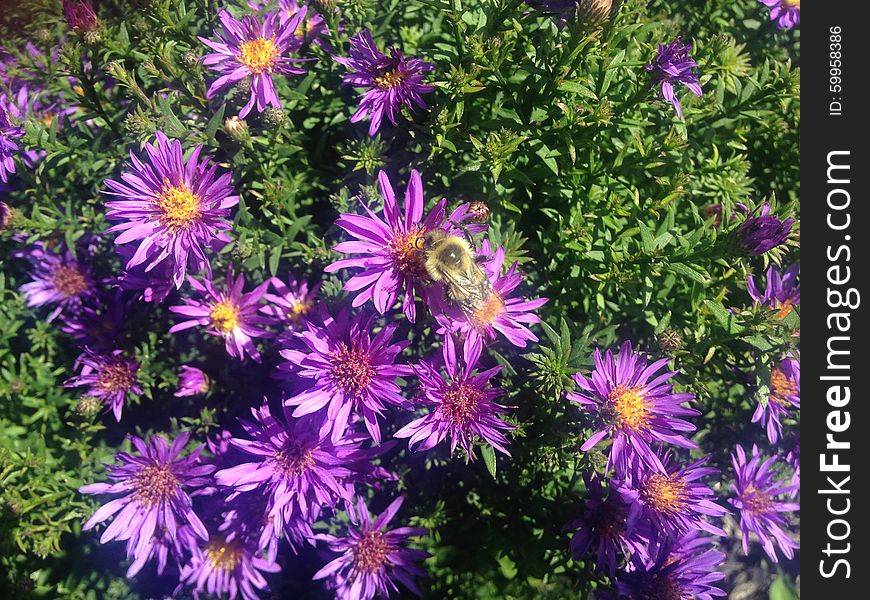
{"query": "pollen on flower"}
(792, 3)
(785, 309)
(180, 208)
(225, 316)
(460, 404)
(665, 588)
(294, 459)
(351, 370)
(258, 54)
(610, 522)
(391, 79)
(406, 250)
(488, 312)
(68, 280)
(154, 484)
(665, 494)
(224, 555)
(117, 376)
(370, 552)
(754, 501)
(298, 311)
(781, 387)
(631, 408)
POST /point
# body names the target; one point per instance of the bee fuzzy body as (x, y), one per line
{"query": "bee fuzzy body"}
(451, 260)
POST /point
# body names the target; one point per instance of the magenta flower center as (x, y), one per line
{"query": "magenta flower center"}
(631, 408)
(665, 588)
(665, 494)
(68, 280)
(225, 316)
(351, 370)
(406, 250)
(754, 501)
(180, 209)
(370, 552)
(489, 311)
(293, 460)
(460, 404)
(116, 376)
(781, 387)
(154, 484)
(258, 54)
(390, 79)
(224, 555)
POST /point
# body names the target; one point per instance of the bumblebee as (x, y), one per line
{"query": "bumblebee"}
(451, 260)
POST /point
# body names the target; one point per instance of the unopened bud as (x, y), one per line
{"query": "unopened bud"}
(669, 340)
(236, 128)
(189, 58)
(478, 211)
(274, 117)
(5, 215)
(89, 406)
(80, 16)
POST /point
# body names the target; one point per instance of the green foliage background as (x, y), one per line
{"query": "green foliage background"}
(594, 186)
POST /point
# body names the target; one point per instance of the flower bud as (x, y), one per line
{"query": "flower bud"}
(237, 129)
(479, 211)
(80, 16)
(669, 340)
(274, 117)
(88, 406)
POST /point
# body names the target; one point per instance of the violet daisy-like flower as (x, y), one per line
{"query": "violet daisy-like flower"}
(228, 312)
(192, 382)
(460, 405)
(604, 528)
(98, 328)
(109, 377)
(764, 232)
(8, 147)
(297, 470)
(674, 65)
(228, 565)
(499, 313)
(58, 279)
(784, 397)
(173, 208)
(254, 48)
(80, 15)
(391, 82)
(349, 371)
(292, 302)
(372, 558)
(155, 486)
(786, 13)
(391, 250)
(682, 568)
(782, 293)
(670, 499)
(637, 405)
(758, 490)
(312, 29)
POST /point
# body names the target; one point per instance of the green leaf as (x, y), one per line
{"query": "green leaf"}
(724, 316)
(782, 590)
(488, 454)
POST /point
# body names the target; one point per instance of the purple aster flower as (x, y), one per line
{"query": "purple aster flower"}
(785, 394)
(109, 377)
(312, 29)
(192, 382)
(255, 49)
(172, 207)
(677, 569)
(373, 558)
(460, 405)
(793, 459)
(567, 10)
(57, 279)
(636, 404)
(391, 82)
(392, 252)
(292, 303)
(783, 292)
(155, 485)
(604, 528)
(786, 13)
(228, 313)
(98, 328)
(673, 65)
(350, 371)
(499, 313)
(227, 565)
(8, 147)
(759, 234)
(671, 499)
(757, 490)
(80, 15)
(290, 464)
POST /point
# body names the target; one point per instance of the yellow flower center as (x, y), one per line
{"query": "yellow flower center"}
(754, 501)
(180, 208)
(664, 493)
(488, 311)
(781, 387)
(116, 376)
(406, 250)
(225, 316)
(154, 484)
(460, 404)
(391, 79)
(224, 555)
(258, 54)
(351, 370)
(631, 408)
(298, 311)
(68, 280)
(792, 3)
(370, 552)
(294, 460)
